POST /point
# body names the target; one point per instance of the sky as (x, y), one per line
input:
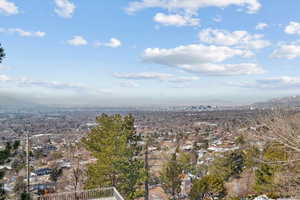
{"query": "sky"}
(149, 52)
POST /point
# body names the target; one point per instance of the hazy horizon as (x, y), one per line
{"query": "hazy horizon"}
(92, 101)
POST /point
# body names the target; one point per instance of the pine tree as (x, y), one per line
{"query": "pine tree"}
(56, 173)
(171, 176)
(2, 54)
(114, 143)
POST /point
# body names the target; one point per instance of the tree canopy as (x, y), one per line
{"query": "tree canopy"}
(2, 54)
(210, 185)
(171, 176)
(114, 143)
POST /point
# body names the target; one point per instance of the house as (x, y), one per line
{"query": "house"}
(187, 147)
(42, 171)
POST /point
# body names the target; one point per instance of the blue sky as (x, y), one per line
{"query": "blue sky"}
(149, 52)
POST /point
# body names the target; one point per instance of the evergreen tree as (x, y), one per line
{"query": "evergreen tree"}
(171, 176)
(16, 144)
(114, 143)
(25, 196)
(2, 54)
(56, 173)
(228, 165)
(186, 160)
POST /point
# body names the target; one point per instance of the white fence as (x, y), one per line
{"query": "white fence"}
(94, 194)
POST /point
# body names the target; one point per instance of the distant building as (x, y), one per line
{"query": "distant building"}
(42, 171)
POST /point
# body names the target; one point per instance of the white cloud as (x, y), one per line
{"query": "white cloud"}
(199, 58)
(40, 34)
(225, 69)
(289, 51)
(175, 20)
(155, 76)
(293, 28)
(113, 43)
(144, 75)
(283, 82)
(129, 84)
(27, 82)
(8, 8)
(192, 6)
(49, 84)
(4, 78)
(241, 39)
(183, 79)
(261, 26)
(22, 32)
(194, 53)
(77, 41)
(64, 8)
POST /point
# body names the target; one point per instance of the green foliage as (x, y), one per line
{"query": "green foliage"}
(16, 144)
(4, 155)
(186, 161)
(240, 140)
(56, 173)
(264, 178)
(237, 162)
(2, 173)
(251, 153)
(2, 54)
(131, 174)
(114, 143)
(264, 175)
(8, 147)
(230, 165)
(171, 176)
(275, 152)
(211, 185)
(25, 196)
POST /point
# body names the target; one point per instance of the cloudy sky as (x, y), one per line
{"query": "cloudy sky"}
(150, 52)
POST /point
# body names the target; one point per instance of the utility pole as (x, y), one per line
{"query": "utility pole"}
(147, 172)
(27, 163)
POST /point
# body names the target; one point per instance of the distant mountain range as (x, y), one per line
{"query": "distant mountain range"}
(8, 101)
(285, 102)
(5, 100)
(19, 101)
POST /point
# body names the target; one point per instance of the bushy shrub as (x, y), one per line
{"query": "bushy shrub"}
(229, 165)
(210, 185)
